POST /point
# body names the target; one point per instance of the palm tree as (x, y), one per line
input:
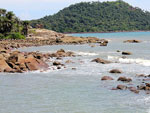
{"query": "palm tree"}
(25, 27)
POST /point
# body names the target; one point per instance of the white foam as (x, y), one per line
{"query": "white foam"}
(140, 61)
(86, 53)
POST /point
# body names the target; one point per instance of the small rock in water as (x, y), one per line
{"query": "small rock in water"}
(107, 78)
(126, 53)
(99, 60)
(69, 61)
(115, 71)
(124, 79)
(55, 63)
(132, 41)
(74, 68)
(141, 75)
(121, 87)
(133, 89)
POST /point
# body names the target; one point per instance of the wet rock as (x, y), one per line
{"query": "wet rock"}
(147, 84)
(141, 87)
(117, 71)
(74, 68)
(133, 89)
(107, 78)
(99, 60)
(93, 45)
(35, 64)
(132, 41)
(124, 57)
(114, 88)
(58, 67)
(141, 75)
(103, 44)
(124, 79)
(3, 64)
(56, 63)
(9, 70)
(59, 58)
(126, 53)
(61, 50)
(146, 79)
(121, 87)
(68, 62)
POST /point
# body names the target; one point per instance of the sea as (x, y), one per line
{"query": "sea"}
(78, 87)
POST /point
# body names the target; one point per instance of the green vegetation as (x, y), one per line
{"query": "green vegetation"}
(97, 17)
(11, 27)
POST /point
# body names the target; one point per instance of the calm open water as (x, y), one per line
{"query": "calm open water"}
(81, 90)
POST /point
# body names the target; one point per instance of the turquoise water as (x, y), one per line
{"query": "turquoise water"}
(81, 90)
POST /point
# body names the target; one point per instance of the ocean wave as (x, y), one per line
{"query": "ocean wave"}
(86, 53)
(140, 61)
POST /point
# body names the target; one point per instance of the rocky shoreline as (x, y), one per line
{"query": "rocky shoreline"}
(18, 62)
(13, 61)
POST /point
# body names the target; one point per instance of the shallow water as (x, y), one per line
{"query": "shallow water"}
(81, 90)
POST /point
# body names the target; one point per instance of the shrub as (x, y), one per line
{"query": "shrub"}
(15, 36)
(1, 36)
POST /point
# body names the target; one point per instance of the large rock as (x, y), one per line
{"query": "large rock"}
(35, 64)
(99, 60)
(3, 64)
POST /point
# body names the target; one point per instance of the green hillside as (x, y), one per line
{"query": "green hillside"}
(97, 17)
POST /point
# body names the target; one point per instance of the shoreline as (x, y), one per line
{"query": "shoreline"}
(106, 32)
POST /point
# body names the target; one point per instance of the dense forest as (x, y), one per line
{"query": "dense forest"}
(97, 17)
(12, 27)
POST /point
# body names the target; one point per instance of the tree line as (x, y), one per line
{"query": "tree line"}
(97, 17)
(12, 27)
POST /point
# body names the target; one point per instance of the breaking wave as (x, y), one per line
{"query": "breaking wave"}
(140, 61)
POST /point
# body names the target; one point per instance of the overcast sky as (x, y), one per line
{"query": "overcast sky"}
(34, 9)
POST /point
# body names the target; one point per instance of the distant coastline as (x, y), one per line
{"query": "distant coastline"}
(106, 32)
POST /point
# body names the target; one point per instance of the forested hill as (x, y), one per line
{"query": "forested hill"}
(97, 17)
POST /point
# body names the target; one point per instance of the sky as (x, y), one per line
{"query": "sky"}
(35, 9)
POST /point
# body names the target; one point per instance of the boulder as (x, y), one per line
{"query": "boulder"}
(133, 89)
(115, 71)
(132, 41)
(68, 62)
(126, 53)
(99, 60)
(121, 87)
(35, 64)
(107, 78)
(124, 79)
(103, 44)
(61, 50)
(4, 65)
(141, 75)
(56, 63)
